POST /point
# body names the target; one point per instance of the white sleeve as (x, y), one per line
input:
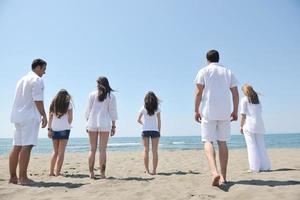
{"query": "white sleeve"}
(243, 106)
(200, 78)
(233, 81)
(70, 105)
(112, 108)
(158, 110)
(141, 111)
(89, 106)
(38, 90)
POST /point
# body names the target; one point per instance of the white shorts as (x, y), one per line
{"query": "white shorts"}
(215, 130)
(99, 129)
(26, 133)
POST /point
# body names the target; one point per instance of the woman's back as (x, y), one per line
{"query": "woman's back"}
(254, 122)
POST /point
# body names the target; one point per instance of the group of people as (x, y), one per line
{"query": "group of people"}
(214, 83)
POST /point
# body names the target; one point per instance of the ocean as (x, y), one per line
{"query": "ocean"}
(166, 143)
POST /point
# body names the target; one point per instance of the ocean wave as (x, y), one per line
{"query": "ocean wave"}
(123, 144)
(178, 142)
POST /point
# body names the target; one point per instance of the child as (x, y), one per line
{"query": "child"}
(101, 115)
(60, 119)
(252, 126)
(151, 128)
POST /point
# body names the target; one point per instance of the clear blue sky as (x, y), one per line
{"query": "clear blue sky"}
(153, 45)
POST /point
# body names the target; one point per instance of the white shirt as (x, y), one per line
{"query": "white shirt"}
(254, 122)
(150, 122)
(30, 88)
(100, 114)
(216, 97)
(62, 123)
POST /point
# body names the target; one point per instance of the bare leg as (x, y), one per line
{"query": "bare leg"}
(54, 157)
(154, 142)
(146, 153)
(93, 136)
(211, 158)
(223, 155)
(61, 155)
(13, 163)
(23, 164)
(102, 148)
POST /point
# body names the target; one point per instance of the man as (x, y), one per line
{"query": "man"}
(214, 84)
(27, 113)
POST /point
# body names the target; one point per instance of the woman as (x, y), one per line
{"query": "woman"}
(151, 122)
(252, 126)
(101, 115)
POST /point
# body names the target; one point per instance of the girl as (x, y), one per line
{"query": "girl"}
(101, 116)
(60, 119)
(151, 128)
(252, 127)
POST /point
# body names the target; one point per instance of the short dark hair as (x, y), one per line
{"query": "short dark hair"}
(213, 56)
(38, 62)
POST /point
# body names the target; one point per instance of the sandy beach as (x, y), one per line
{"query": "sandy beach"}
(181, 175)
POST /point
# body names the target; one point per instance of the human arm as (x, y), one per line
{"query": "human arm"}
(89, 106)
(235, 100)
(243, 119)
(40, 106)
(50, 124)
(158, 121)
(113, 128)
(70, 115)
(139, 120)
(37, 93)
(112, 108)
(198, 99)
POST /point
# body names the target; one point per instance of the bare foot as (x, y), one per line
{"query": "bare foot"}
(25, 181)
(154, 173)
(222, 180)
(13, 180)
(92, 175)
(102, 176)
(51, 174)
(215, 180)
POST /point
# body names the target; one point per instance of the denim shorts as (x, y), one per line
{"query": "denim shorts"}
(152, 134)
(59, 135)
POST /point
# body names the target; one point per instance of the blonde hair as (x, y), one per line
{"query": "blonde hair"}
(250, 93)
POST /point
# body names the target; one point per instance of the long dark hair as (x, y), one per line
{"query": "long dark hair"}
(151, 103)
(251, 94)
(103, 88)
(60, 104)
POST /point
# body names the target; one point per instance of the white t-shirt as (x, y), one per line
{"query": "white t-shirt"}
(150, 122)
(62, 123)
(216, 97)
(101, 114)
(30, 88)
(254, 122)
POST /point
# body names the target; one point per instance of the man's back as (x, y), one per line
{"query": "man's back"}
(29, 89)
(216, 99)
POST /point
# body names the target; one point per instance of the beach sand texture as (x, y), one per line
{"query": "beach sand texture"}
(181, 175)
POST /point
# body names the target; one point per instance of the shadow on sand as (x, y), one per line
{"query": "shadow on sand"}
(177, 173)
(76, 175)
(130, 179)
(283, 170)
(270, 183)
(56, 184)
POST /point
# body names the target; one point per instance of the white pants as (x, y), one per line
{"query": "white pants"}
(257, 153)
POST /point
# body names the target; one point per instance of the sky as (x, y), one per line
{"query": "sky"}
(143, 45)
